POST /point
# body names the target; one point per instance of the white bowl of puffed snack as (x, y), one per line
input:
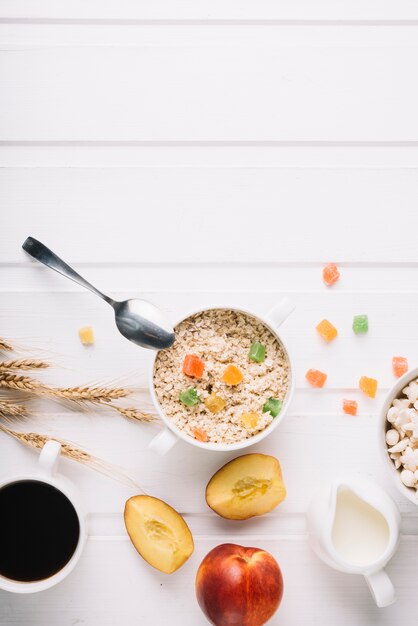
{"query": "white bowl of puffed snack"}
(399, 432)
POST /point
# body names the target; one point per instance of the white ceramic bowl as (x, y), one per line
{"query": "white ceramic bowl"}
(171, 434)
(384, 425)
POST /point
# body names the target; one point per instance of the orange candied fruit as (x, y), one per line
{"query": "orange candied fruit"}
(350, 407)
(193, 366)
(315, 378)
(327, 330)
(330, 274)
(368, 386)
(200, 434)
(399, 366)
(232, 375)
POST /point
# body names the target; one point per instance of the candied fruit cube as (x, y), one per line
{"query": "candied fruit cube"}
(200, 434)
(189, 397)
(232, 375)
(330, 274)
(316, 378)
(360, 324)
(86, 335)
(193, 366)
(257, 352)
(399, 366)
(327, 330)
(273, 406)
(368, 386)
(215, 403)
(250, 420)
(350, 407)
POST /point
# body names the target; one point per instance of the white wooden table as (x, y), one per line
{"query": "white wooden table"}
(201, 153)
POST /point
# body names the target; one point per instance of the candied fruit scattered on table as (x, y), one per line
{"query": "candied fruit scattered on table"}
(327, 330)
(200, 434)
(315, 378)
(399, 366)
(232, 375)
(350, 407)
(189, 397)
(330, 274)
(215, 403)
(257, 352)
(273, 406)
(250, 420)
(193, 366)
(86, 335)
(360, 324)
(368, 386)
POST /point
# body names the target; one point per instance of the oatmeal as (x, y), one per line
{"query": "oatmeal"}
(224, 379)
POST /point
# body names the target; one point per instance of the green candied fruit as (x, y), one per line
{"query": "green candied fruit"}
(190, 397)
(257, 352)
(273, 406)
(360, 324)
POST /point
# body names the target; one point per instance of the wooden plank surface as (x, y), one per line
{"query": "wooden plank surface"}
(215, 211)
(210, 10)
(291, 86)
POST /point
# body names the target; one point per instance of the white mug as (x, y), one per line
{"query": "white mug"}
(321, 517)
(165, 440)
(48, 460)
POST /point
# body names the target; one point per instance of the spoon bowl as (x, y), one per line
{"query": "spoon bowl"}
(143, 323)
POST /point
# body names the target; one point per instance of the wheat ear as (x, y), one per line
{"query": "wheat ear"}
(97, 395)
(22, 364)
(134, 414)
(10, 409)
(5, 345)
(69, 450)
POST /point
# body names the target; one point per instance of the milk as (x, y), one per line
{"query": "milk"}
(360, 533)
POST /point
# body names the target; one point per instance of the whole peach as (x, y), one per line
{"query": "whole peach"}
(238, 586)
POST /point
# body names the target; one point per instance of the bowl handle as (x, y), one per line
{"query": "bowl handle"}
(163, 442)
(381, 588)
(279, 313)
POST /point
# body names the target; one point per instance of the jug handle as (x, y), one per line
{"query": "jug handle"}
(381, 588)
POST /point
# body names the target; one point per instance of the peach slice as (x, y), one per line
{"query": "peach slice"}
(249, 485)
(158, 532)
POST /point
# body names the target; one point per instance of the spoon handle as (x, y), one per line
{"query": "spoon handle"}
(44, 255)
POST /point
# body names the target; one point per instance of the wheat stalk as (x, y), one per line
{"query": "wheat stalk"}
(69, 450)
(134, 414)
(22, 364)
(5, 345)
(10, 409)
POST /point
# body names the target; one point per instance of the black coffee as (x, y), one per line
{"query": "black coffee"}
(39, 530)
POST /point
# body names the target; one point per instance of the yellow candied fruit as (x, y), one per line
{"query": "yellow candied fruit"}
(368, 386)
(250, 420)
(327, 330)
(215, 403)
(86, 335)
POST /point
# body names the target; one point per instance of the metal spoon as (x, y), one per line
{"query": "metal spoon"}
(137, 320)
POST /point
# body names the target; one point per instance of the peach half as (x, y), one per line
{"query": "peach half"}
(249, 485)
(158, 532)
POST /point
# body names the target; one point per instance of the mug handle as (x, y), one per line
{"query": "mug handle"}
(381, 588)
(279, 313)
(163, 442)
(49, 456)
